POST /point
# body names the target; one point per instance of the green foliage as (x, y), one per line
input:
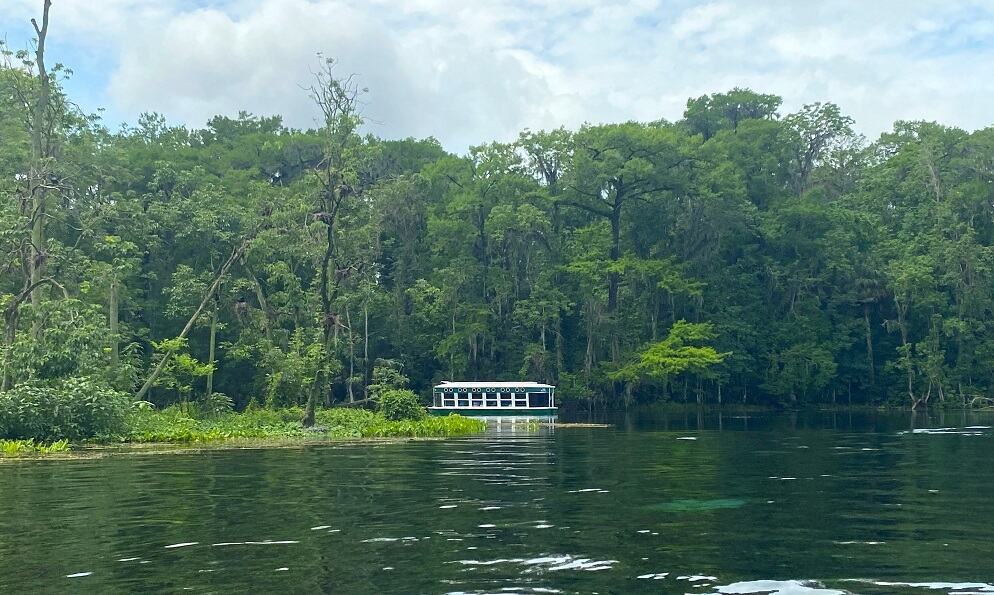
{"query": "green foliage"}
(17, 448)
(709, 114)
(387, 378)
(74, 409)
(73, 344)
(347, 422)
(400, 404)
(183, 371)
(174, 425)
(800, 369)
(822, 263)
(217, 404)
(451, 425)
(675, 355)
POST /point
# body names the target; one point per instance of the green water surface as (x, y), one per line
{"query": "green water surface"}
(662, 502)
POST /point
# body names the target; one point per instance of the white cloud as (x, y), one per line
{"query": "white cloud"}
(713, 23)
(425, 75)
(470, 72)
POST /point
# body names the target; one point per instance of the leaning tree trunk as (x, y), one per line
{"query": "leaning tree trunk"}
(260, 295)
(143, 391)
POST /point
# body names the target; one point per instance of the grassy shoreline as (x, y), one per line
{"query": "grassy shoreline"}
(175, 429)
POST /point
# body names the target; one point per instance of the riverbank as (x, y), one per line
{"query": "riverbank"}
(164, 430)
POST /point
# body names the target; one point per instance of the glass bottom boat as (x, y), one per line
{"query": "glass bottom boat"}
(517, 399)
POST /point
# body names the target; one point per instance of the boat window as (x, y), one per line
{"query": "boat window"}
(540, 400)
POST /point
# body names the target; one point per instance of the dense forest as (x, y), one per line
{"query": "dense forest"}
(740, 254)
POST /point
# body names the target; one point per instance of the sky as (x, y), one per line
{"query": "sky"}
(473, 71)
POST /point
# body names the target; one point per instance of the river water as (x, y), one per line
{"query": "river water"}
(661, 502)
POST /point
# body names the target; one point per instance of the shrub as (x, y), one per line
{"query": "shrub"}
(347, 423)
(400, 404)
(217, 404)
(386, 377)
(73, 409)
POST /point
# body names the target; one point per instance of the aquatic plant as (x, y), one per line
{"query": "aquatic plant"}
(691, 505)
(13, 448)
(185, 425)
(179, 425)
(451, 425)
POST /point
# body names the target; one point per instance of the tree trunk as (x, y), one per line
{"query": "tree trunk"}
(452, 364)
(484, 255)
(588, 362)
(901, 313)
(327, 321)
(365, 350)
(348, 321)
(113, 323)
(614, 278)
(260, 296)
(9, 334)
(654, 323)
(211, 352)
(869, 342)
(38, 181)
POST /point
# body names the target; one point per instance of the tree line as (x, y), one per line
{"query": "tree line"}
(739, 254)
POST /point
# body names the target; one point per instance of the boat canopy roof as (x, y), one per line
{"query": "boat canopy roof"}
(492, 385)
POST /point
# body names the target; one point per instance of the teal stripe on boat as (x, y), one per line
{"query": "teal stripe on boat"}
(495, 412)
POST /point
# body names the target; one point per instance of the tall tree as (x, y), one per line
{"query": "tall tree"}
(618, 165)
(708, 114)
(40, 176)
(336, 174)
